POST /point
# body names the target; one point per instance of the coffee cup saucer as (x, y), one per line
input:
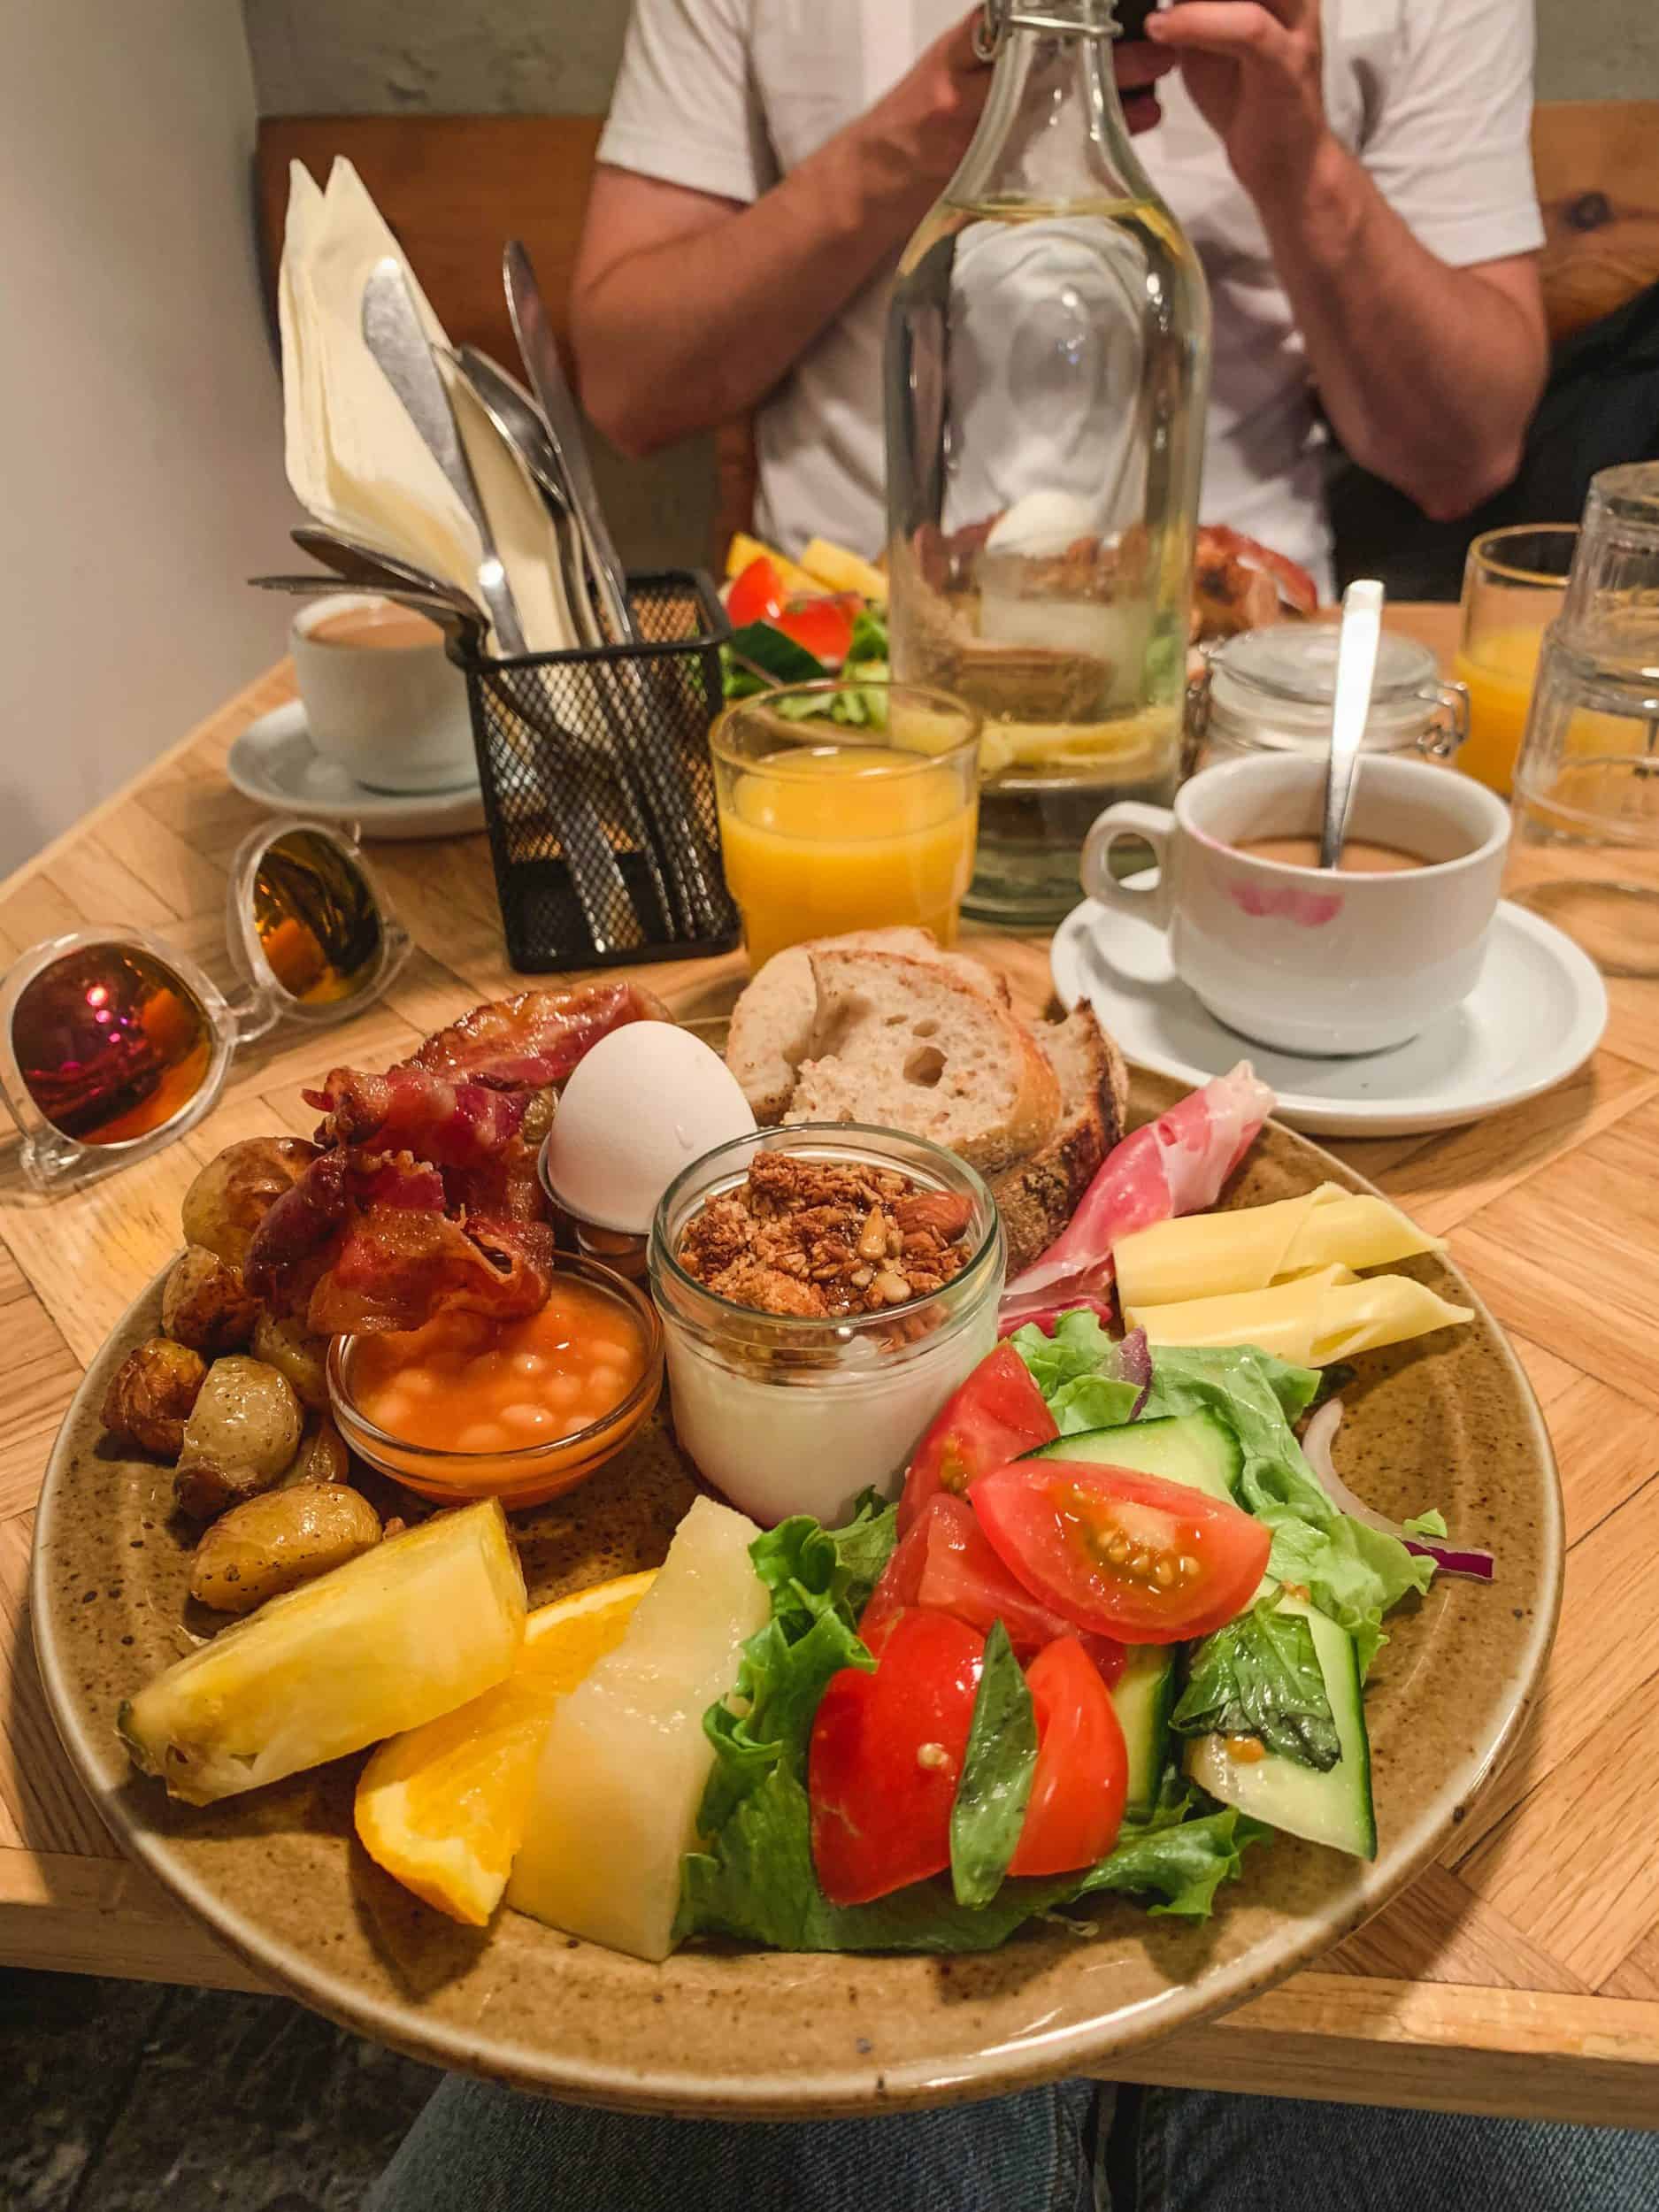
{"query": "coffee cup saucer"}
(275, 763)
(1536, 1015)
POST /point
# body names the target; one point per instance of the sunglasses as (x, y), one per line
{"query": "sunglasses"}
(112, 1042)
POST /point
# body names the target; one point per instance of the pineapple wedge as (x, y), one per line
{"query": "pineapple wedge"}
(626, 1760)
(841, 570)
(403, 1633)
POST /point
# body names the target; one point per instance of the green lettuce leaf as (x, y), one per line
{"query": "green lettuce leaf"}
(996, 1775)
(1259, 1676)
(1351, 1572)
(869, 636)
(1430, 1524)
(1075, 1370)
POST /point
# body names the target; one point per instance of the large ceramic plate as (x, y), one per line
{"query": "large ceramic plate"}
(278, 1875)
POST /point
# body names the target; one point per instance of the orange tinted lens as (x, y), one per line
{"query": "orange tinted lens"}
(316, 918)
(111, 1043)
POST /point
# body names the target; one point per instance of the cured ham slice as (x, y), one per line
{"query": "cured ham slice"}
(1174, 1165)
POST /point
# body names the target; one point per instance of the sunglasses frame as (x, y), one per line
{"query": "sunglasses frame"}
(52, 1159)
(266, 992)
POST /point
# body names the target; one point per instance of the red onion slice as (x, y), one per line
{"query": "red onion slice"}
(1316, 1442)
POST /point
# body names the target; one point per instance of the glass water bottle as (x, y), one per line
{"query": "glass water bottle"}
(1046, 364)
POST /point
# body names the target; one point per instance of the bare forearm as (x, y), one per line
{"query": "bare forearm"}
(1428, 374)
(679, 337)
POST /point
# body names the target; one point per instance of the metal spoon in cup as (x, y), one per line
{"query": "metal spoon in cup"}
(1356, 645)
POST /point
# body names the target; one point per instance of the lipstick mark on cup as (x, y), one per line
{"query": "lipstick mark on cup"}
(1264, 902)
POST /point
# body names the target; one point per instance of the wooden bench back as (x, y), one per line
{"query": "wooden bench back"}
(455, 188)
(1597, 163)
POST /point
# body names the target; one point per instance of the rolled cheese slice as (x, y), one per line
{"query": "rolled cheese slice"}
(1311, 1320)
(1206, 1256)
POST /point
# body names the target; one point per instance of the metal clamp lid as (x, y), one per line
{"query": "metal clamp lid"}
(997, 18)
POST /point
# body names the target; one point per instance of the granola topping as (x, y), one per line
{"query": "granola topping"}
(820, 1239)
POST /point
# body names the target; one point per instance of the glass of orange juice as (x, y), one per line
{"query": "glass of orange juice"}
(846, 806)
(1514, 583)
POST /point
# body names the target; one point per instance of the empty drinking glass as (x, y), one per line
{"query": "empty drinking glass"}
(1585, 850)
(1611, 609)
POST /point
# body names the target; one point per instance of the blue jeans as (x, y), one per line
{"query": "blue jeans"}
(1076, 2147)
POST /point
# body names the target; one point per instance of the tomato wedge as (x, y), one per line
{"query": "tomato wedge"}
(886, 1757)
(824, 627)
(1126, 1554)
(997, 1414)
(1082, 1774)
(899, 1585)
(960, 1573)
(756, 594)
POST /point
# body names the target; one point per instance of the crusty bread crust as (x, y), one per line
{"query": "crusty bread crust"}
(1036, 1197)
(775, 1015)
(910, 1044)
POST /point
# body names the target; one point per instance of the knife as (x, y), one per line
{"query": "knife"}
(547, 381)
(392, 333)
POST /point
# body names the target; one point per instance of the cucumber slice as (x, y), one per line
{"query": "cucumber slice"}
(1144, 1698)
(1196, 1448)
(1333, 1808)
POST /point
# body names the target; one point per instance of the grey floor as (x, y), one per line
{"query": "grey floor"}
(119, 2097)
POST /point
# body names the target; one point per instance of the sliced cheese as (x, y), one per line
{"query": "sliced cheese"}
(1311, 1320)
(834, 568)
(1205, 1255)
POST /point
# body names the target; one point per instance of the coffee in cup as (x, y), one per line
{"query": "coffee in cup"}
(1302, 958)
(382, 696)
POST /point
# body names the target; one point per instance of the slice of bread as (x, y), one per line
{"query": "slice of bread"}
(909, 1043)
(1036, 1197)
(774, 1021)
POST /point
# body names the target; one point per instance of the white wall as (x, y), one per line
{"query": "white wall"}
(141, 461)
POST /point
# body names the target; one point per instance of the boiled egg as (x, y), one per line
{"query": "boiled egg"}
(643, 1103)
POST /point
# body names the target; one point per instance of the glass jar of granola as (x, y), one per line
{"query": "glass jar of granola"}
(823, 1290)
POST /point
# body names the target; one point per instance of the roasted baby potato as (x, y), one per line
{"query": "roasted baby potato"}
(321, 1457)
(233, 1194)
(274, 1543)
(151, 1393)
(242, 1435)
(204, 1305)
(289, 1347)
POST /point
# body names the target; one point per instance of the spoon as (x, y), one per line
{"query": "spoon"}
(392, 333)
(453, 612)
(356, 561)
(1356, 644)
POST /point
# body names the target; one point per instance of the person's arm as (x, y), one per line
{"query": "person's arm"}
(1429, 372)
(687, 307)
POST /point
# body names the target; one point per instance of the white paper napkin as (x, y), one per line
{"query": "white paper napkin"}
(353, 457)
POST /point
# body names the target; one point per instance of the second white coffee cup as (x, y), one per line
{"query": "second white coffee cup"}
(1302, 958)
(381, 695)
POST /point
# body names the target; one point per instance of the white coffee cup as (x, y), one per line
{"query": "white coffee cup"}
(395, 717)
(1304, 958)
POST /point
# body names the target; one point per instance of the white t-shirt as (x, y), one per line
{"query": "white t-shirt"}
(1434, 97)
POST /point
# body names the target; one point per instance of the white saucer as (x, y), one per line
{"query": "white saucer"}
(1536, 1014)
(275, 762)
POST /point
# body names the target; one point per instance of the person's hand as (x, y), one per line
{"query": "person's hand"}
(1253, 69)
(932, 111)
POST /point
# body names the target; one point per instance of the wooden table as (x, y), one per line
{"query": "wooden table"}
(1520, 1975)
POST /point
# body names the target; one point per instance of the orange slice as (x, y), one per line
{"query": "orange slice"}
(444, 1807)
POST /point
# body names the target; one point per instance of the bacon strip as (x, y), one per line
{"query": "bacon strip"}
(425, 1196)
(535, 1038)
(1174, 1165)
